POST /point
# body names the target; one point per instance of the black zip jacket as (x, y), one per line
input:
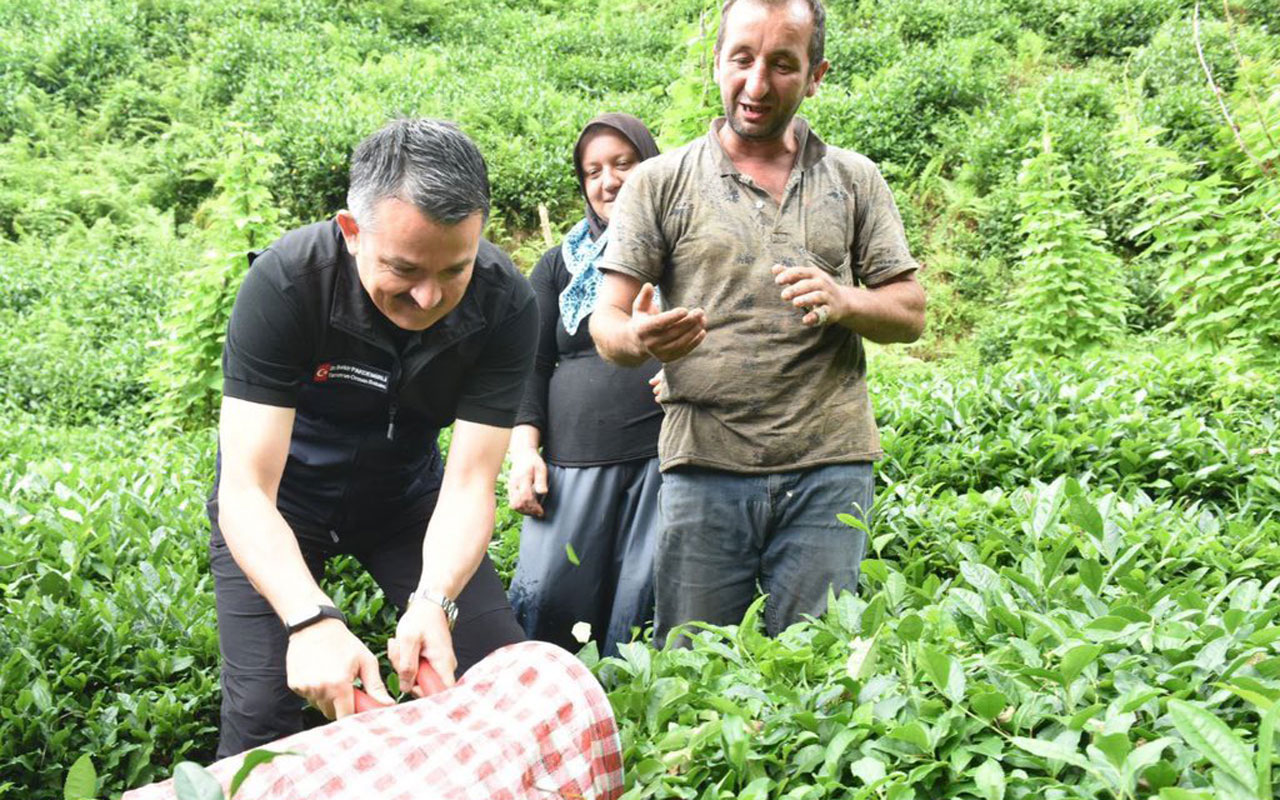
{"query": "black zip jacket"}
(371, 399)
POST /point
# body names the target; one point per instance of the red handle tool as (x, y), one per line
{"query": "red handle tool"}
(428, 681)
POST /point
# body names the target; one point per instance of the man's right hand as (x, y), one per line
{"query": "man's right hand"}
(322, 661)
(666, 335)
(526, 482)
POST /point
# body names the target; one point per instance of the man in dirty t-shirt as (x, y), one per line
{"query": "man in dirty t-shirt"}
(775, 255)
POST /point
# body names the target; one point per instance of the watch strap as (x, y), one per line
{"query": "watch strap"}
(321, 613)
(439, 598)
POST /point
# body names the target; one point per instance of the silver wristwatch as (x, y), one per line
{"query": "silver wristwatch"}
(446, 603)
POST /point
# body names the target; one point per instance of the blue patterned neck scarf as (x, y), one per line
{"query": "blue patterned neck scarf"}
(581, 255)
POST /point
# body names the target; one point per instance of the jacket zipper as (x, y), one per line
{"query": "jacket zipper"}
(393, 390)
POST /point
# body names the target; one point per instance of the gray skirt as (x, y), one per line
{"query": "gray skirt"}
(608, 517)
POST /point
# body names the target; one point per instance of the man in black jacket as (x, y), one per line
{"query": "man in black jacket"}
(352, 343)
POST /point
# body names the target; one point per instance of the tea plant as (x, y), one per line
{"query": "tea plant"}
(1069, 297)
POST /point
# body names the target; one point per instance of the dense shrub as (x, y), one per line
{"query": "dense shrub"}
(1109, 28)
(107, 646)
(892, 116)
(1216, 241)
(991, 141)
(931, 21)
(1068, 297)
(857, 50)
(1175, 92)
(76, 317)
(1181, 428)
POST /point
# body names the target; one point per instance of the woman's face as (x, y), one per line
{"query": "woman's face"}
(607, 160)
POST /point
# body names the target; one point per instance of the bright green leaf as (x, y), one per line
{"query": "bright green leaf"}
(989, 777)
(988, 705)
(252, 760)
(82, 780)
(1076, 659)
(193, 782)
(1212, 739)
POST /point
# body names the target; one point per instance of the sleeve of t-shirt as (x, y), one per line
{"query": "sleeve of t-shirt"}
(264, 357)
(880, 243)
(533, 409)
(637, 245)
(494, 387)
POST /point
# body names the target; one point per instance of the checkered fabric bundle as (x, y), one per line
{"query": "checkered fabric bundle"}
(529, 721)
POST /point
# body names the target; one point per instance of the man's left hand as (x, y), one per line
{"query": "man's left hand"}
(423, 631)
(813, 291)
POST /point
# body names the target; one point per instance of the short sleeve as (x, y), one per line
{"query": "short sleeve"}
(880, 243)
(264, 357)
(494, 387)
(637, 246)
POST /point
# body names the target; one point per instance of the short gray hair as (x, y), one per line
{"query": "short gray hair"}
(429, 163)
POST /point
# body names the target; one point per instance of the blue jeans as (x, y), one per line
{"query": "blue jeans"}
(724, 532)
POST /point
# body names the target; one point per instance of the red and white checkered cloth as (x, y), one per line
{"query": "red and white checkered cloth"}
(529, 721)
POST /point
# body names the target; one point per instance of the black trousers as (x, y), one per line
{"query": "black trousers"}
(257, 705)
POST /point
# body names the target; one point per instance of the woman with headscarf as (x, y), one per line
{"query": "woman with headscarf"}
(584, 466)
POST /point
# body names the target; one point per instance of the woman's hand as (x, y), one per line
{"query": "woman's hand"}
(657, 383)
(527, 482)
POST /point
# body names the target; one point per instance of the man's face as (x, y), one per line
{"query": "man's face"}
(415, 269)
(763, 67)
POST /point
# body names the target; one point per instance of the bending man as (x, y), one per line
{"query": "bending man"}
(352, 343)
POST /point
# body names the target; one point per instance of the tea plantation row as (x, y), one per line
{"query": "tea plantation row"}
(1045, 592)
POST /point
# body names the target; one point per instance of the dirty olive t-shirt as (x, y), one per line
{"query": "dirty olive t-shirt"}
(763, 392)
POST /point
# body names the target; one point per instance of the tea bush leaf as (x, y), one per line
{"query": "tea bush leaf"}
(989, 777)
(252, 760)
(82, 780)
(1213, 740)
(1076, 659)
(1053, 751)
(193, 782)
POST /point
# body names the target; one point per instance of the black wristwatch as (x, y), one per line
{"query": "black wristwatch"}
(311, 616)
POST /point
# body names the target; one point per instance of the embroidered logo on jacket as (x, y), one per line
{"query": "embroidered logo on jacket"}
(355, 374)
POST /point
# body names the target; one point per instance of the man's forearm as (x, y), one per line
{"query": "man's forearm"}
(457, 536)
(615, 341)
(890, 313)
(264, 547)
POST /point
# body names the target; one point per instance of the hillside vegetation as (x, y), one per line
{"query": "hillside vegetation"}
(1076, 546)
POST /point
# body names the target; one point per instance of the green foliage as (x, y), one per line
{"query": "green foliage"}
(1067, 644)
(107, 646)
(1162, 423)
(1074, 563)
(893, 115)
(694, 96)
(1069, 296)
(1218, 242)
(1110, 28)
(931, 21)
(76, 313)
(187, 376)
(1170, 79)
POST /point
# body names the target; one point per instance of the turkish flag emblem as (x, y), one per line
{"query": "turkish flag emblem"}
(322, 373)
